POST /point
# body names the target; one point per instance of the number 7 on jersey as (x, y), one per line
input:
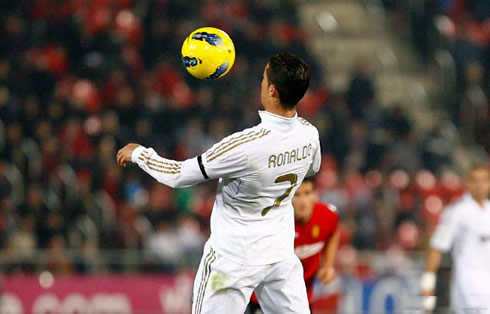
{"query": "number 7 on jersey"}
(293, 179)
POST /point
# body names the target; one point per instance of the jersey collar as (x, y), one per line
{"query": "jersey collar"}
(468, 198)
(277, 122)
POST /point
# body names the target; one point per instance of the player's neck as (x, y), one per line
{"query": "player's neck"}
(304, 219)
(480, 202)
(277, 109)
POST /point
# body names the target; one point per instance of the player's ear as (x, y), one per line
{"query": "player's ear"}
(272, 91)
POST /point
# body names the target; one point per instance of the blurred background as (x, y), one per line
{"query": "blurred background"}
(399, 93)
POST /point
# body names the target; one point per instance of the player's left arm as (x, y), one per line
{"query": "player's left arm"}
(217, 162)
(175, 174)
(326, 273)
(441, 241)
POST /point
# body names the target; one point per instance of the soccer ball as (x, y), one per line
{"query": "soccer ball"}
(208, 53)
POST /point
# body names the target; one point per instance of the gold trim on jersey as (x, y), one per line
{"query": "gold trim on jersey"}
(304, 121)
(203, 279)
(159, 165)
(234, 140)
(156, 162)
(163, 171)
(210, 258)
(242, 141)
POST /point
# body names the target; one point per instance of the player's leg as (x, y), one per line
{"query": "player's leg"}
(283, 289)
(201, 274)
(309, 289)
(222, 286)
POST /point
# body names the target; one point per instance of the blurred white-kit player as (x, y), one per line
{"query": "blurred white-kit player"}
(464, 231)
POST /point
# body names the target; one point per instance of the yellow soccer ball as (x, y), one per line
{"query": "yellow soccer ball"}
(208, 53)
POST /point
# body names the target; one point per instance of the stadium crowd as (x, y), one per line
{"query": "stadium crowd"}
(80, 78)
(461, 28)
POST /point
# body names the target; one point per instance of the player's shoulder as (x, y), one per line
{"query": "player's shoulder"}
(237, 141)
(326, 209)
(456, 207)
(246, 133)
(304, 122)
(460, 203)
(308, 126)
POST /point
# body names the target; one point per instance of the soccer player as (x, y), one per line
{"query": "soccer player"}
(464, 229)
(317, 238)
(251, 246)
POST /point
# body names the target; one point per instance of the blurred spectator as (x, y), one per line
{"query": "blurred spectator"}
(84, 261)
(22, 242)
(361, 91)
(5, 187)
(164, 246)
(58, 260)
(436, 149)
(474, 106)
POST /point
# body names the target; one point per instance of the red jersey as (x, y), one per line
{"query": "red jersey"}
(311, 239)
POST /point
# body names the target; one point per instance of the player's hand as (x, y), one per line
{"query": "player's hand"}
(428, 301)
(124, 154)
(326, 275)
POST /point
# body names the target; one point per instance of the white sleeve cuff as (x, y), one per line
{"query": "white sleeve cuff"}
(428, 282)
(136, 152)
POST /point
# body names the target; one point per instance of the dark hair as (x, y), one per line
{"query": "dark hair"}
(291, 76)
(310, 180)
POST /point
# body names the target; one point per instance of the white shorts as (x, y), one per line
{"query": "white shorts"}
(470, 296)
(222, 286)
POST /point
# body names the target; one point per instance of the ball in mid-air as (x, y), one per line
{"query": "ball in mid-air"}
(208, 53)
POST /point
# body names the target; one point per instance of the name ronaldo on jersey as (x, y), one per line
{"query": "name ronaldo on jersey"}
(285, 158)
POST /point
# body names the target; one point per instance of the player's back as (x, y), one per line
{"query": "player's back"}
(253, 220)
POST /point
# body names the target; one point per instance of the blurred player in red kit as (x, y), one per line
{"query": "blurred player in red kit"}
(316, 240)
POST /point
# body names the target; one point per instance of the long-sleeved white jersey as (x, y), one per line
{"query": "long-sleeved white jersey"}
(259, 170)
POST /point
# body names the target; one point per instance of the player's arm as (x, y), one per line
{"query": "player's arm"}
(169, 172)
(317, 158)
(428, 280)
(441, 241)
(219, 161)
(431, 267)
(326, 273)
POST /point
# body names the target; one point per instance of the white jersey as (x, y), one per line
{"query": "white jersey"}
(259, 170)
(464, 229)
